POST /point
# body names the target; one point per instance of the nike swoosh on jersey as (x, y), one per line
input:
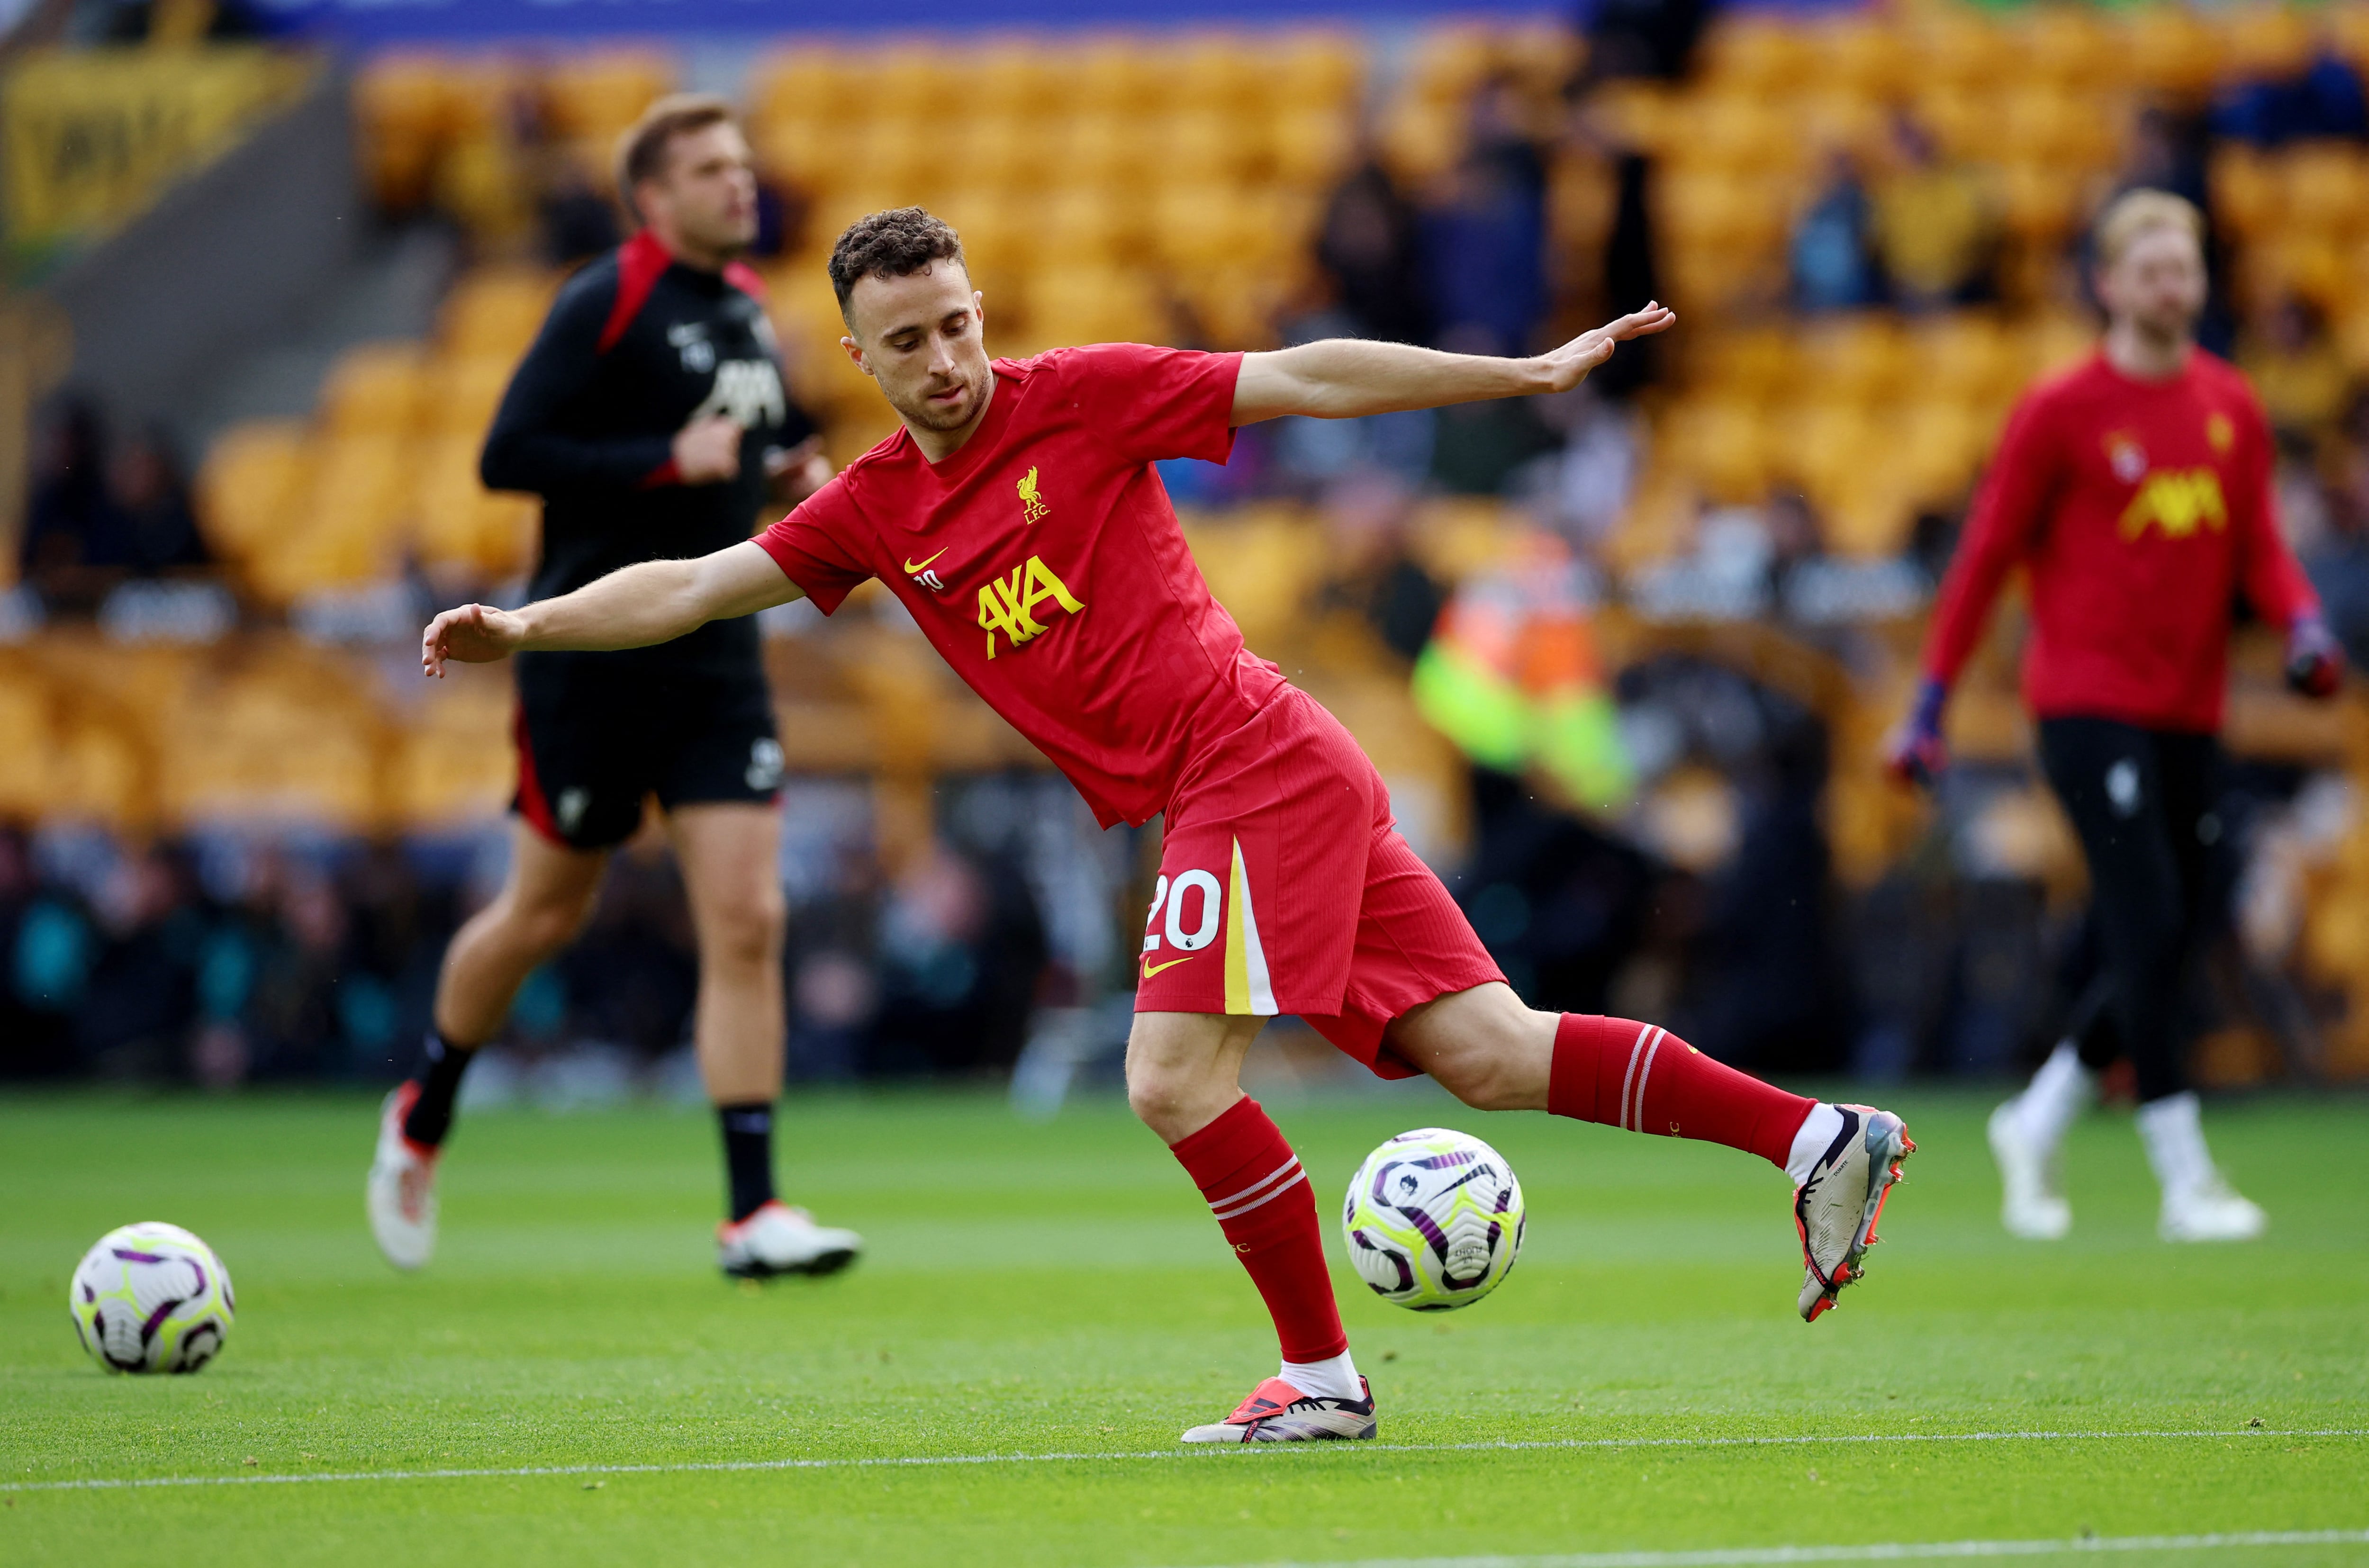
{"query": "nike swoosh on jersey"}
(911, 569)
(1150, 969)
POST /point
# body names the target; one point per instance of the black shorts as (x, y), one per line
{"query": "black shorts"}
(586, 764)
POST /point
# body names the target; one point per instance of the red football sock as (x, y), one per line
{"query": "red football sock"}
(1261, 1197)
(1643, 1079)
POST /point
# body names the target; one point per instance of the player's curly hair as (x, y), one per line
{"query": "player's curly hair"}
(894, 244)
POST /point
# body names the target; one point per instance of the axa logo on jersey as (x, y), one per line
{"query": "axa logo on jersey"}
(1008, 604)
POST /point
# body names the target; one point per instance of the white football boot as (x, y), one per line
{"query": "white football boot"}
(2030, 1204)
(1834, 1211)
(401, 1196)
(777, 1239)
(2199, 1205)
(1278, 1412)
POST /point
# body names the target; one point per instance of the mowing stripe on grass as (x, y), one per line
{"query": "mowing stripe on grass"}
(706, 1467)
(1893, 1552)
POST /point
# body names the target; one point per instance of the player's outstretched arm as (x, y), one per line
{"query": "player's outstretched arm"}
(1345, 378)
(652, 601)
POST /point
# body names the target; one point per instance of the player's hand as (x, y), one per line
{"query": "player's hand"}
(707, 451)
(473, 634)
(1569, 365)
(2315, 659)
(795, 473)
(1915, 753)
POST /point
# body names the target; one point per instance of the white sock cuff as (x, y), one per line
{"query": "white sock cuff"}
(1335, 1377)
(1817, 1135)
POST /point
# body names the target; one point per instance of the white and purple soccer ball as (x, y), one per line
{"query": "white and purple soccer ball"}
(152, 1298)
(1434, 1219)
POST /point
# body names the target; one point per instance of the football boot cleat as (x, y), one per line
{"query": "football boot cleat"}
(2030, 1206)
(401, 1194)
(1834, 1211)
(2210, 1210)
(777, 1239)
(1277, 1413)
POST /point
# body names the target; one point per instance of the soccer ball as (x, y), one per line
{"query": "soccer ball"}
(151, 1298)
(1434, 1219)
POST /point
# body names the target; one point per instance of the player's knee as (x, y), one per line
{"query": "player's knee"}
(543, 926)
(1480, 1079)
(746, 931)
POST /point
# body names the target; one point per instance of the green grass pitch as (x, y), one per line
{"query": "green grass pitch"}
(1033, 1292)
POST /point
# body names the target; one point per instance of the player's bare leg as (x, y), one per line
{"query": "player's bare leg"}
(544, 902)
(1183, 1079)
(730, 854)
(1496, 1053)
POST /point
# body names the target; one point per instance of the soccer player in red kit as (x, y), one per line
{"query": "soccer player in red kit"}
(1018, 516)
(2135, 490)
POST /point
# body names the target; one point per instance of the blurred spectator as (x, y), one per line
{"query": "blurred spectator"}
(630, 978)
(2324, 101)
(1368, 249)
(1375, 575)
(1581, 489)
(1484, 233)
(153, 494)
(576, 218)
(2334, 545)
(1641, 38)
(142, 985)
(962, 951)
(1833, 255)
(1936, 224)
(2295, 366)
(77, 541)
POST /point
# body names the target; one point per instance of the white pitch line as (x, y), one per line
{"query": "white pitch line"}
(700, 1467)
(1891, 1551)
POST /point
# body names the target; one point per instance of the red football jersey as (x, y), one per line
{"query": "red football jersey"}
(2140, 507)
(1042, 559)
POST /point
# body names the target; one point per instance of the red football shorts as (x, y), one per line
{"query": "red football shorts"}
(1284, 888)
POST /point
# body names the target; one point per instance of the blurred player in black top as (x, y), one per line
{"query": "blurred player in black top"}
(651, 417)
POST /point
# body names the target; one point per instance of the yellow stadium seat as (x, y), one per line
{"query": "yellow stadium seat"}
(1310, 148)
(914, 82)
(1865, 55)
(1958, 48)
(251, 480)
(1219, 73)
(1867, 515)
(375, 389)
(1720, 444)
(2167, 49)
(1754, 365)
(1420, 140)
(2038, 200)
(2070, 45)
(1006, 152)
(806, 83)
(2248, 195)
(2047, 125)
(457, 523)
(1315, 71)
(1075, 226)
(2260, 42)
(1118, 76)
(455, 763)
(1021, 78)
(1762, 54)
(1938, 445)
(1448, 64)
(1964, 357)
(480, 90)
(495, 310)
(468, 388)
(598, 94)
(1827, 447)
(1739, 133)
(1070, 304)
(1204, 147)
(2325, 187)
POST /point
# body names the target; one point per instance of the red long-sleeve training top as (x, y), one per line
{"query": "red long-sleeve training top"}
(2140, 509)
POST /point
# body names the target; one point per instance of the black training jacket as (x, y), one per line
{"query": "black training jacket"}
(635, 345)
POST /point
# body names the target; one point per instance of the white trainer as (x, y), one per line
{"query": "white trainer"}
(1835, 1211)
(2210, 1210)
(401, 1196)
(777, 1239)
(1277, 1411)
(2030, 1206)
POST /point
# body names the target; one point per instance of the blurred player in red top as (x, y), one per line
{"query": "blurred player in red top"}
(2135, 490)
(1017, 515)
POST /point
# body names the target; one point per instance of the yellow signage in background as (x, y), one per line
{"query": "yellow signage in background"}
(92, 136)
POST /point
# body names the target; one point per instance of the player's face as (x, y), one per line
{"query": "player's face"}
(707, 196)
(2158, 284)
(920, 336)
